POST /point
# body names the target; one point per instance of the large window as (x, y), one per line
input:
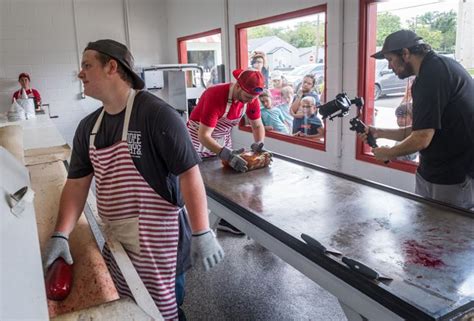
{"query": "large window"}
(205, 50)
(290, 51)
(442, 24)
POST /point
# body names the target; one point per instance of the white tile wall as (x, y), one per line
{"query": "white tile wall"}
(39, 37)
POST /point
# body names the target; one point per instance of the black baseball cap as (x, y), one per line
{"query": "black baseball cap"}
(398, 40)
(120, 53)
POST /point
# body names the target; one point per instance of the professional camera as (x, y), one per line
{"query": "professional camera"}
(340, 106)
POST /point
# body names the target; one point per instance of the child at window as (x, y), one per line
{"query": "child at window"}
(310, 126)
(272, 117)
(287, 94)
(404, 119)
(277, 84)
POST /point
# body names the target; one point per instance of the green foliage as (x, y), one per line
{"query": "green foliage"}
(387, 23)
(438, 29)
(432, 37)
(305, 34)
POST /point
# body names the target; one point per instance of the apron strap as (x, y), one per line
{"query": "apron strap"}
(229, 100)
(229, 103)
(128, 112)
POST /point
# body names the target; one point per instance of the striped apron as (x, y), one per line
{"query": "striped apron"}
(221, 132)
(139, 218)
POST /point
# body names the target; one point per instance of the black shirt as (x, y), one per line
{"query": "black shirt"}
(160, 147)
(443, 99)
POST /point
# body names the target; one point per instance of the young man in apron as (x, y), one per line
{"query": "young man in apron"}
(145, 169)
(220, 108)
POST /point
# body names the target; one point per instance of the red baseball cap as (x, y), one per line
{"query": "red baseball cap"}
(250, 80)
(24, 74)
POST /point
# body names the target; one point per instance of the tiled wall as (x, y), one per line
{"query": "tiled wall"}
(46, 37)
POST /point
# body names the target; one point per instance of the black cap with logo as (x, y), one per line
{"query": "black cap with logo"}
(398, 40)
(120, 53)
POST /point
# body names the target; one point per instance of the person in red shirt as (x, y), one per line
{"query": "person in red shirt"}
(24, 80)
(219, 109)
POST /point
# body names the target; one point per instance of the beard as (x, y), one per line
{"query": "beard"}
(406, 71)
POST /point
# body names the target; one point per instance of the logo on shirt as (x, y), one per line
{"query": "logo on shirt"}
(134, 140)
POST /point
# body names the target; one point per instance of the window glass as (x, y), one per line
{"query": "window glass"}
(286, 52)
(206, 52)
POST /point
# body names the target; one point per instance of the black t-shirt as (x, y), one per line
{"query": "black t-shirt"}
(160, 147)
(443, 99)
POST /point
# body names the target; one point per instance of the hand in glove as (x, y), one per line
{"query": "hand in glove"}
(257, 147)
(206, 249)
(58, 246)
(233, 158)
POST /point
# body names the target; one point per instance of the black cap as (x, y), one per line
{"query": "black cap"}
(398, 40)
(120, 53)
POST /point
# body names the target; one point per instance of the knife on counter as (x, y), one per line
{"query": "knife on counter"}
(363, 269)
(316, 245)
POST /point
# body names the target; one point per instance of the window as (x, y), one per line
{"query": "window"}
(286, 48)
(388, 98)
(205, 50)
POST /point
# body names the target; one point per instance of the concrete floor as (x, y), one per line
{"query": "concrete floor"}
(254, 284)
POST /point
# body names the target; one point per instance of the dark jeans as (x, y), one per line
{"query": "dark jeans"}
(179, 289)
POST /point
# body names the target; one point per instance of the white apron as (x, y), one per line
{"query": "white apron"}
(139, 218)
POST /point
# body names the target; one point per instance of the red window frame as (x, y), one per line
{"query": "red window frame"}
(242, 61)
(367, 37)
(182, 48)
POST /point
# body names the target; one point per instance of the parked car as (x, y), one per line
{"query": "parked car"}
(386, 81)
(295, 77)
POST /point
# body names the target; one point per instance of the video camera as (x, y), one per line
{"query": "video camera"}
(340, 106)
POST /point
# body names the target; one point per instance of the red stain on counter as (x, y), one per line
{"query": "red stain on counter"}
(417, 253)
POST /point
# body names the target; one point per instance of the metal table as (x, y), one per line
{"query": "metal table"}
(426, 247)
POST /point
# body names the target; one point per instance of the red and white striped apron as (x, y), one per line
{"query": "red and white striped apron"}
(222, 131)
(139, 218)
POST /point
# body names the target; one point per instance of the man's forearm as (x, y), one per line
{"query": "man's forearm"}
(258, 130)
(194, 195)
(417, 141)
(211, 144)
(73, 199)
(397, 134)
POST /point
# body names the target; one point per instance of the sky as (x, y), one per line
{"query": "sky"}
(407, 9)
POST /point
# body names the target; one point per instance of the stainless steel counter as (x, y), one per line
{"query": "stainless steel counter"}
(426, 248)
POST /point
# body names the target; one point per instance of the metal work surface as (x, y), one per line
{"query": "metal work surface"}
(426, 248)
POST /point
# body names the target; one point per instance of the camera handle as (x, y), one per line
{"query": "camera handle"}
(359, 127)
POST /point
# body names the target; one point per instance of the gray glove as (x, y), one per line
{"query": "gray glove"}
(233, 158)
(257, 147)
(58, 246)
(206, 249)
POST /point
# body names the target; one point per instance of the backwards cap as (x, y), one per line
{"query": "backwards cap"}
(120, 53)
(250, 80)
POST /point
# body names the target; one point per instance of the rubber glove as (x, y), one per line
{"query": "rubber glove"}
(58, 246)
(234, 159)
(206, 249)
(257, 147)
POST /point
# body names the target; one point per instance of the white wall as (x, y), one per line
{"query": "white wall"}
(342, 69)
(39, 37)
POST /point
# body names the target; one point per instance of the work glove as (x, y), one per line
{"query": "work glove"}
(234, 159)
(58, 246)
(257, 147)
(206, 249)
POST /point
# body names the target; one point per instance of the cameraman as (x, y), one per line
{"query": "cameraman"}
(443, 120)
